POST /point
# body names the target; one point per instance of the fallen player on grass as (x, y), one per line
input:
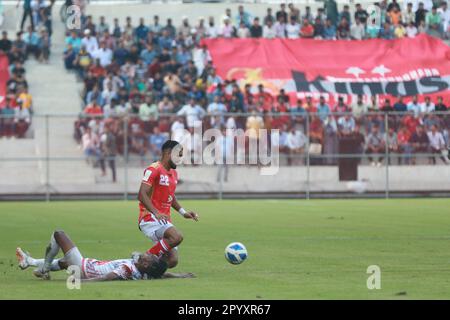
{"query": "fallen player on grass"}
(140, 267)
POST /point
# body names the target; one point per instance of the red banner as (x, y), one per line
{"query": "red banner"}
(405, 67)
(4, 77)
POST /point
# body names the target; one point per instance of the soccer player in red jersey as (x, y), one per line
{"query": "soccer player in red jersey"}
(156, 197)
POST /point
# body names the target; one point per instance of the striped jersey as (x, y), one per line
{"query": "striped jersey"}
(125, 269)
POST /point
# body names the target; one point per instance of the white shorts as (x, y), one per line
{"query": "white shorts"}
(154, 230)
(73, 257)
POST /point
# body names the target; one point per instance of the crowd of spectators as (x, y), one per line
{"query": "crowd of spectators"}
(148, 81)
(37, 36)
(389, 21)
(17, 109)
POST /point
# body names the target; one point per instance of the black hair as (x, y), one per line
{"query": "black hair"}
(169, 145)
(157, 269)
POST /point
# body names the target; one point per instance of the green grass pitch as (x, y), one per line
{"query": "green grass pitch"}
(298, 249)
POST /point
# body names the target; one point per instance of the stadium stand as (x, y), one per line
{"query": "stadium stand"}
(158, 78)
(17, 107)
(56, 165)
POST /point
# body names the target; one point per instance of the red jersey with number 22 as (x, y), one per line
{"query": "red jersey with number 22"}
(164, 183)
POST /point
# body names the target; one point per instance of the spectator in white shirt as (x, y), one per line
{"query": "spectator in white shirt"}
(91, 145)
(89, 42)
(243, 32)
(409, 15)
(278, 141)
(194, 143)
(427, 106)
(227, 29)
(357, 31)
(128, 70)
(213, 78)
(280, 27)
(201, 58)
(177, 129)
(216, 111)
(346, 125)
(22, 119)
(231, 123)
(224, 151)
(104, 54)
(293, 30)
(116, 82)
(212, 31)
(122, 109)
(269, 31)
(109, 110)
(437, 143)
(411, 30)
(414, 106)
(108, 94)
(444, 12)
(193, 113)
(296, 142)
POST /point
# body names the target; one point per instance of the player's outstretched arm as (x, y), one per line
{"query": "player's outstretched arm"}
(170, 275)
(187, 214)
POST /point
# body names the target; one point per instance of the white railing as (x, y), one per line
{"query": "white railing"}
(41, 165)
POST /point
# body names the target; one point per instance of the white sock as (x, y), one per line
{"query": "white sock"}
(40, 263)
(50, 253)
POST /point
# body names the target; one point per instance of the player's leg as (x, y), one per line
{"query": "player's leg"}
(164, 236)
(25, 260)
(44, 265)
(170, 238)
(72, 255)
(50, 253)
(59, 240)
(171, 258)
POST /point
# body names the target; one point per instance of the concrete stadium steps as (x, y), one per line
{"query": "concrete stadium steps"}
(54, 90)
(12, 147)
(20, 172)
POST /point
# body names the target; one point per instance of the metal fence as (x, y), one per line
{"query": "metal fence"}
(319, 154)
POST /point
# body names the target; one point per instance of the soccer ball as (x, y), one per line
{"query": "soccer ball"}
(236, 253)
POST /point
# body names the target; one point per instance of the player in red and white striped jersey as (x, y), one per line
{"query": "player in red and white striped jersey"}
(145, 266)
